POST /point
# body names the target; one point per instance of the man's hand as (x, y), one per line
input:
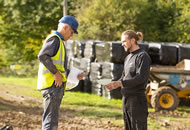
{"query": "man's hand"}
(80, 76)
(113, 85)
(58, 79)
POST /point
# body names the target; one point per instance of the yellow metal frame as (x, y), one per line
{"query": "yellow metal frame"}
(183, 93)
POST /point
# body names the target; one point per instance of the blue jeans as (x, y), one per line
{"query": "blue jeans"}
(52, 98)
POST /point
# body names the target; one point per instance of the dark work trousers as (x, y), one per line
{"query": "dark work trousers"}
(52, 98)
(135, 112)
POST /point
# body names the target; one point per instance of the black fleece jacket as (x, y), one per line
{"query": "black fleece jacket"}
(136, 73)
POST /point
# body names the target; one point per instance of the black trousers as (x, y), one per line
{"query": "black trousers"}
(135, 112)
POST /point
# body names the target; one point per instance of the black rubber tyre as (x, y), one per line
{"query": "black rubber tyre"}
(165, 98)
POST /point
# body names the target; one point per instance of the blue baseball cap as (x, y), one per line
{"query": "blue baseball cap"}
(71, 21)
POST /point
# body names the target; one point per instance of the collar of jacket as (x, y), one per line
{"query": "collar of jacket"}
(59, 34)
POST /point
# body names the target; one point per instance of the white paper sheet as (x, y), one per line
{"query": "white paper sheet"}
(72, 80)
(104, 81)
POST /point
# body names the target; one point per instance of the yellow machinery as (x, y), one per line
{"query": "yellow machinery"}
(168, 84)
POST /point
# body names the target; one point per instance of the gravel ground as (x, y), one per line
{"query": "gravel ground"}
(22, 115)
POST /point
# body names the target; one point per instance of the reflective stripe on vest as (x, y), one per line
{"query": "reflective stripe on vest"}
(45, 77)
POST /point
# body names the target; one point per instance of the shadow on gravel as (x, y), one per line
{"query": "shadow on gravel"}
(6, 105)
(99, 114)
(91, 105)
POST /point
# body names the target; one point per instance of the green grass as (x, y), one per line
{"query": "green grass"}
(84, 104)
(154, 125)
(184, 109)
(20, 86)
(5, 108)
(30, 82)
(93, 106)
(81, 104)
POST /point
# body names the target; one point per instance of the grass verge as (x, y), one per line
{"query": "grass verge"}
(86, 105)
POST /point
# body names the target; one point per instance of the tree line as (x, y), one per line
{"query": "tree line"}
(25, 23)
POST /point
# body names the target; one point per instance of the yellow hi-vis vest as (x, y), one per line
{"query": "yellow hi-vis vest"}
(45, 77)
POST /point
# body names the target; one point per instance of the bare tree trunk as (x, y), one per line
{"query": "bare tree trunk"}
(65, 8)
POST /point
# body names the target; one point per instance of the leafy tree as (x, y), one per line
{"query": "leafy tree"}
(181, 26)
(106, 19)
(25, 24)
(75, 7)
(155, 20)
(159, 20)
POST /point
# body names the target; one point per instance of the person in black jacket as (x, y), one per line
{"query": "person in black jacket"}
(133, 83)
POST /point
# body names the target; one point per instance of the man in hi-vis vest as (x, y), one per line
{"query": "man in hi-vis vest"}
(52, 70)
